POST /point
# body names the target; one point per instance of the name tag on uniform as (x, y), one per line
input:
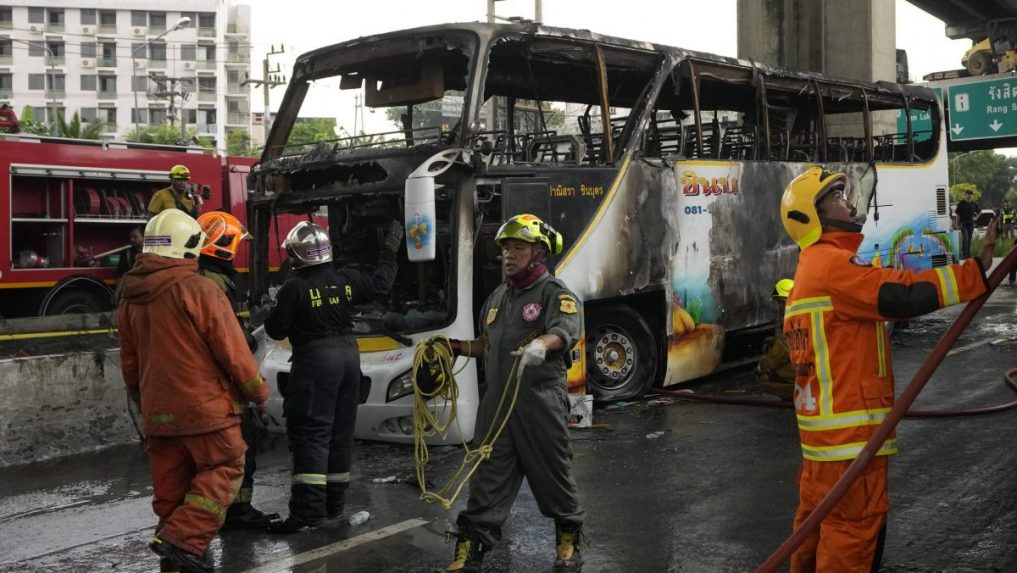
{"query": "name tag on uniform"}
(491, 314)
(567, 304)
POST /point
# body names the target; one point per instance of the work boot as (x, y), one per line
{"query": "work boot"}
(569, 560)
(189, 562)
(291, 524)
(469, 555)
(243, 515)
(336, 499)
(167, 565)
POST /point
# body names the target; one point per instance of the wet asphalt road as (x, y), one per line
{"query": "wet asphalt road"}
(715, 492)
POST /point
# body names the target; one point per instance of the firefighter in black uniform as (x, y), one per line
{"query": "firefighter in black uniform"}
(224, 234)
(532, 318)
(314, 309)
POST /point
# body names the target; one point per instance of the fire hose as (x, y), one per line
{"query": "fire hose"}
(894, 417)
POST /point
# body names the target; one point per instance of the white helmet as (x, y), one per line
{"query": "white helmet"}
(175, 234)
(308, 244)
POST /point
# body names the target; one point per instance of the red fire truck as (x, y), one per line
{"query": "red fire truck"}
(70, 205)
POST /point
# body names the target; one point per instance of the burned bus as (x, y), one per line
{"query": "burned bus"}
(663, 169)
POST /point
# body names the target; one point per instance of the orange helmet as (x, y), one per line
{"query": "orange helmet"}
(224, 234)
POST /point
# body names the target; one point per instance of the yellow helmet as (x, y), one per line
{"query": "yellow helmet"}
(173, 233)
(798, 205)
(180, 172)
(782, 289)
(531, 229)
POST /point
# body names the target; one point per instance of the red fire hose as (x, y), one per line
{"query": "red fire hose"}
(892, 419)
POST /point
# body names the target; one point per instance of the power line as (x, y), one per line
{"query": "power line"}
(132, 38)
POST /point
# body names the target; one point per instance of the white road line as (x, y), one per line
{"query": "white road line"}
(971, 346)
(290, 562)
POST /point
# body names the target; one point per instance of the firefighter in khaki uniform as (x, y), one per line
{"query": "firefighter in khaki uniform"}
(836, 333)
(535, 319)
(176, 196)
(187, 367)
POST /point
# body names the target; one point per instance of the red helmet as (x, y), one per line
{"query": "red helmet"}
(224, 234)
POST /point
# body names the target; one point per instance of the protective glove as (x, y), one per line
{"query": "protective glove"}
(533, 354)
(393, 236)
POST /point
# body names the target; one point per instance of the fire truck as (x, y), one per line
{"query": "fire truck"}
(70, 205)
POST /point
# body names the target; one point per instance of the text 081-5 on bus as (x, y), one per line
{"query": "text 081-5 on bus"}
(663, 169)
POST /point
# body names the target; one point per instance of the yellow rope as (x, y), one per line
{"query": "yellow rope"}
(428, 418)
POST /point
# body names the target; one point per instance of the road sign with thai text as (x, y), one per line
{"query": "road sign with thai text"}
(982, 110)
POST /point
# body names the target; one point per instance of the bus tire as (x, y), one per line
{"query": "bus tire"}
(77, 302)
(621, 353)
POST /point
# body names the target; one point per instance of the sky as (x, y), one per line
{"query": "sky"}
(708, 26)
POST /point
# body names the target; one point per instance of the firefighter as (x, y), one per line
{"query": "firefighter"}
(188, 369)
(836, 333)
(8, 119)
(223, 237)
(774, 370)
(534, 319)
(1007, 218)
(314, 308)
(177, 196)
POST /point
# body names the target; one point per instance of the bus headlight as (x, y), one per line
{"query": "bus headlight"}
(400, 386)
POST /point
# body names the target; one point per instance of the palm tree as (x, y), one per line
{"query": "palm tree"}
(76, 130)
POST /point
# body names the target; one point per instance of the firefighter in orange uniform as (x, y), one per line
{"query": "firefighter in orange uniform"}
(187, 366)
(836, 334)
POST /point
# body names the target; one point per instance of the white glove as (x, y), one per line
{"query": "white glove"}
(533, 354)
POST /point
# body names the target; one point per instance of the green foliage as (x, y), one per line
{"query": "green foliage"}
(991, 172)
(238, 142)
(77, 130)
(958, 191)
(313, 130)
(1001, 249)
(695, 309)
(29, 125)
(163, 134)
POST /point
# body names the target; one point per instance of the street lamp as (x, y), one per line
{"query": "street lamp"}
(181, 23)
(50, 124)
(953, 166)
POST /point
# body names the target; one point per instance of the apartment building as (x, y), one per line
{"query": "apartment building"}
(127, 63)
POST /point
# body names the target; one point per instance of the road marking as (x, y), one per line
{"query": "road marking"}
(971, 346)
(314, 554)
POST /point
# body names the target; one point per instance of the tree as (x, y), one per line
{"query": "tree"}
(958, 191)
(238, 142)
(28, 124)
(164, 134)
(312, 130)
(990, 172)
(76, 130)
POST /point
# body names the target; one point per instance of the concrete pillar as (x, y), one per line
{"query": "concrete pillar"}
(852, 39)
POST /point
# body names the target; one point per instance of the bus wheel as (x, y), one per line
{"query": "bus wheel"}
(77, 302)
(621, 353)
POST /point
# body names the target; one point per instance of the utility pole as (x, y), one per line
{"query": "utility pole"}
(269, 79)
(168, 90)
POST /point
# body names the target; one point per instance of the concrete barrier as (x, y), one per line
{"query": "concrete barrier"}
(62, 404)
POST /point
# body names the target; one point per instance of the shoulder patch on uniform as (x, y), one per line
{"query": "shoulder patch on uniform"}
(491, 315)
(860, 262)
(531, 311)
(568, 306)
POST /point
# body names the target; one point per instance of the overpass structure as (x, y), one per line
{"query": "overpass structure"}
(967, 19)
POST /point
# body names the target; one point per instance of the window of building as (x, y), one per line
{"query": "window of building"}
(55, 82)
(39, 114)
(188, 52)
(108, 18)
(36, 81)
(192, 15)
(6, 82)
(206, 84)
(87, 114)
(88, 49)
(56, 17)
(139, 18)
(139, 83)
(109, 50)
(157, 20)
(157, 115)
(57, 49)
(6, 49)
(57, 113)
(209, 116)
(206, 20)
(208, 51)
(36, 15)
(88, 16)
(139, 115)
(6, 14)
(190, 116)
(157, 51)
(36, 49)
(88, 83)
(108, 115)
(140, 50)
(108, 84)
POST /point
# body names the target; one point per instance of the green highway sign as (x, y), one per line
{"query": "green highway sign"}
(982, 110)
(921, 122)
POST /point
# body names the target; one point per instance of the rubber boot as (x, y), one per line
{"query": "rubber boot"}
(291, 524)
(243, 515)
(336, 500)
(189, 563)
(569, 559)
(469, 556)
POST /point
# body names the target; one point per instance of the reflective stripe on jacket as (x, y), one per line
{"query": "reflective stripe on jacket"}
(836, 334)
